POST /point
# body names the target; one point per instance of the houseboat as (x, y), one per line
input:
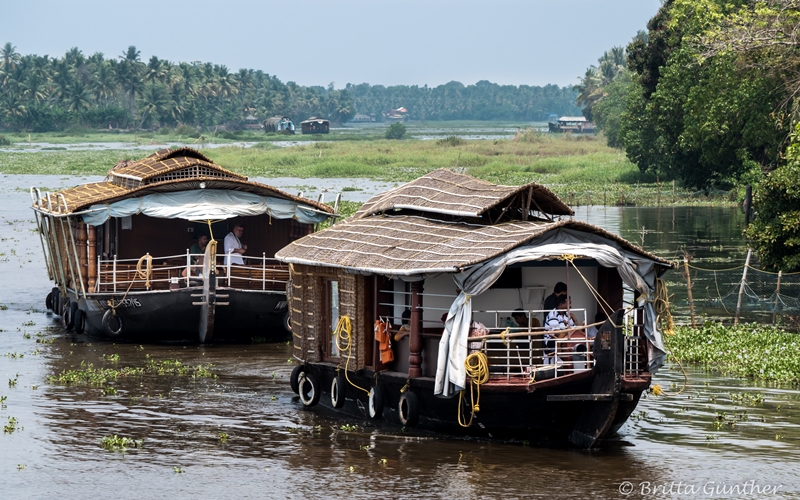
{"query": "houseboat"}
(129, 257)
(424, 310)
(279, 124)
(315, 125)
(572, 124)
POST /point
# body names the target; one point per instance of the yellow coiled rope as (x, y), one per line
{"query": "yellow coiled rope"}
(141, 274)
(344, 330)
(477, 367)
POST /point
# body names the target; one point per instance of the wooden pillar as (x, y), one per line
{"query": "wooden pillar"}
(82, 255)
(415, 337)
(91, 256)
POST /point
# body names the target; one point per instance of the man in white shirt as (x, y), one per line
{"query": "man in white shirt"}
(233, 246)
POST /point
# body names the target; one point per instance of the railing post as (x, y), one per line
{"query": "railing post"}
(114, 275)
(264, 270)
(415, 337)
(93, 258)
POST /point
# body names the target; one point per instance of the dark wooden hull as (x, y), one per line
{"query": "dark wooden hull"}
(577, 409)
(174, 315)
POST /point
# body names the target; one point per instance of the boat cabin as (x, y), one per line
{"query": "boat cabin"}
(279, 124)
(315, 125)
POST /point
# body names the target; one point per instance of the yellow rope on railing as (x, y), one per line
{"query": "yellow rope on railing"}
(145, 275)
(477, 367)
(344, 329)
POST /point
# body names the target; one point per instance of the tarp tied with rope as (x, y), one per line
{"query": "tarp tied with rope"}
(637, 271)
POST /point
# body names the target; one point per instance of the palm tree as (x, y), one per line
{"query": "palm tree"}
(128, 75)
(8, 57)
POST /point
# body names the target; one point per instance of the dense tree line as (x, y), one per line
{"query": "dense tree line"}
(41, 93)
(455, 101)
(710, 98)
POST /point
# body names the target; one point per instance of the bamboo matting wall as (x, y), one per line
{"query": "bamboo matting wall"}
(306, 296)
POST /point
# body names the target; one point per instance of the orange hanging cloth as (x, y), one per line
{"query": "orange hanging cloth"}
(384, 344)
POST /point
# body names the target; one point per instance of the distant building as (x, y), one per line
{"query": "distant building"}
(363, 118)
(279, 124)
(572, 124)
(315, 125)
(396, 115)
(251, 122)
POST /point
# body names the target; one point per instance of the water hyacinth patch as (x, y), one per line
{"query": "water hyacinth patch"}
(749, 351)
(101, 376)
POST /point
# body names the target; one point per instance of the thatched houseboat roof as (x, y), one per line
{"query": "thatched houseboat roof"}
(167, 170)
(448, 193)
(384, 240)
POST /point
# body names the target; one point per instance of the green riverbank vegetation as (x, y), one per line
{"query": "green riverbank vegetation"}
(582, 170)
(748, 350)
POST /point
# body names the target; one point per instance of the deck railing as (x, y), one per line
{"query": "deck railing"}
(177, 271)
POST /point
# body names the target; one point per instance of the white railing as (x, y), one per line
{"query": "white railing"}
(118, 275)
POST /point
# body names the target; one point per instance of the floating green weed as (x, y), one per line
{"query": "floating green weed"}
(749, 351)
(100, 376)
(3, 401)
(223, 437)
(119, 443)
(111, 357)
(177, 470)
(348, 427)
(11, 426)
(12, 382)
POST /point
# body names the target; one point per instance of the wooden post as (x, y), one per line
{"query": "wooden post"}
(777, 298)
(415, 337)
(748, 205)
(689, 288)
(658, 182)
(82, 262)
(741, 286)
(91, 256)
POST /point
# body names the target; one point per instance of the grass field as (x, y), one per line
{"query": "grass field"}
(580, 169)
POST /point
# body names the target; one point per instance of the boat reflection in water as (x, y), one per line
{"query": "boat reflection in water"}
(478, 253)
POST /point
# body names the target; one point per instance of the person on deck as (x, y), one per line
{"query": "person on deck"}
(552, 300)
(557, 320)
(233, 246)
(519, 318)
(198, 250)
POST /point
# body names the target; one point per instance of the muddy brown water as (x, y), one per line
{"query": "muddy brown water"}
(276, 449)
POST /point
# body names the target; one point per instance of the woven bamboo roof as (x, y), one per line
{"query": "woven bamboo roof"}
(167, 170)
(412, 244)
(448, 193)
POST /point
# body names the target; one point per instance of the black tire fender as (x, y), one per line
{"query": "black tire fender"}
(338, 390)
(69, 314)
(48, 301)
(408, 409)
(294, 378)
(309, 390)
(287, 322)
(375, 403)
(79, 321)
(109, 318)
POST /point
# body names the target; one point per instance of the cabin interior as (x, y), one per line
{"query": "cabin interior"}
(365, 299)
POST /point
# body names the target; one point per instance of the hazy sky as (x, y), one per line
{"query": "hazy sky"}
(416, 42)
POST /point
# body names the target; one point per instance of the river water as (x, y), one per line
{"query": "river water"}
(244, 434)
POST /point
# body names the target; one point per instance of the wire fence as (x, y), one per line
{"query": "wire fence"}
(743, 291)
